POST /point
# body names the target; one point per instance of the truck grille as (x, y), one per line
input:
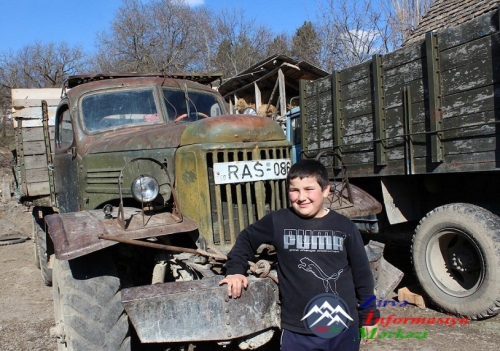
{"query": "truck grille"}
(234, 206)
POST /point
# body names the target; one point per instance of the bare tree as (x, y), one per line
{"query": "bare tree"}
(162, 35)
(39, 66)
(351, 32)
(403, 16)
(239, 42)
(36, 66)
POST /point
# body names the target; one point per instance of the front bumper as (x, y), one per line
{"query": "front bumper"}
(200, 310)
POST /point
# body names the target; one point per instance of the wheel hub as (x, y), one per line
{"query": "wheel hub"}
(464, 260)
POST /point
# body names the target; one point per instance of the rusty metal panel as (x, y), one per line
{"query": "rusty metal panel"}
(363, 204)
(77, 233)
(201, 310)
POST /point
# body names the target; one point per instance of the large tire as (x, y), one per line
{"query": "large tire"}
(456, 258)
(45, 257)
(87, 305)
(34, 235)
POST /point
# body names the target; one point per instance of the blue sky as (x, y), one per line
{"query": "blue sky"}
(23, 22)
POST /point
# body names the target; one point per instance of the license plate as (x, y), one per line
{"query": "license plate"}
(251, 171)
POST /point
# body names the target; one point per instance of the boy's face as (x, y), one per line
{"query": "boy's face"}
(307, 197)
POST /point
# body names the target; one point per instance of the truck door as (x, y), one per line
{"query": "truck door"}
(293, 132)
(65, 163)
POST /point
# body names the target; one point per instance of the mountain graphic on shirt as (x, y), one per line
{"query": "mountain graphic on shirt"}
(328, 312)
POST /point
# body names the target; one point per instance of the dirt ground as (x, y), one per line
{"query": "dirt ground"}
(26, 304)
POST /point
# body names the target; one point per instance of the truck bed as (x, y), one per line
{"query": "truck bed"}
(32, 169)
(430, 107)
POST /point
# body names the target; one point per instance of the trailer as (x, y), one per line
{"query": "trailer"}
(418, 128)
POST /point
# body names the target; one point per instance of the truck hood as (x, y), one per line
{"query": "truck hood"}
(223, 129)
(138, 138)
(232, 128)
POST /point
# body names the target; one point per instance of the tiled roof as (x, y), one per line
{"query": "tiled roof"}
(449, 13)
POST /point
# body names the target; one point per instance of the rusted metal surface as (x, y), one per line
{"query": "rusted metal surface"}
(202, 78)
(135, 138)
(201, 310)
(232, 128)
(148, 244)
(363, 204)
(77, 233)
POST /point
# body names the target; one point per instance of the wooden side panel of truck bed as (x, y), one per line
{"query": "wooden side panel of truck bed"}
(431, 107)
(32, 170)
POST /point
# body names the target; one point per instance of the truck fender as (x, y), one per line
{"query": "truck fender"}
(75, 234)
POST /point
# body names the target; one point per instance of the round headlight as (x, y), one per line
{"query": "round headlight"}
(145, 188)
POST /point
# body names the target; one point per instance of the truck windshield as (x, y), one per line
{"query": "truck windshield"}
(119, 108)
(190, 106)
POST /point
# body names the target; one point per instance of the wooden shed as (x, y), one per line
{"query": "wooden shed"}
(271, 87)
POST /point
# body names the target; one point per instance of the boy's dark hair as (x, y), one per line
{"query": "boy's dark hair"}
(309, 168)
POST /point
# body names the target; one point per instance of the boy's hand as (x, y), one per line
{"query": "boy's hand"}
(368, 329)
(235, 284)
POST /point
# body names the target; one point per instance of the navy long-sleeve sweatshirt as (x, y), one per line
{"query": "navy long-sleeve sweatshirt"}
(315, 256)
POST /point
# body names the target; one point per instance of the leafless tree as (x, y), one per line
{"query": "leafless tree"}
(39, 66)
(351, 32)
(403, 16)
(153, 36)
(239, 42)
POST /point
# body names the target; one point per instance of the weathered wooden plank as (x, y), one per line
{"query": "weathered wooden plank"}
(404, 55)
(473, 145)
(318, 86)
(472, 76)
(37, 175)
(357, 138)
(362, 105)
(32, 123)
(32, 134)
(38, 189)
(358, 125)
(35, 162)
(468, 31)
(471, 101)
(357, 88)
(36, 94)
(34, 147)
(396, 152)
(23, 103)
(393, 95)
(357, 72)
(34, 113)
(482, 123)
(394, 116)
(36, 134)
(404, 74)
(476, 50)
(393, 167)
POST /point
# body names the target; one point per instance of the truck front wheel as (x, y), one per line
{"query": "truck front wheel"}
(87, 305)
(456, 258)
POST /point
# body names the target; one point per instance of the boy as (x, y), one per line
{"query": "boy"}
(321, 262)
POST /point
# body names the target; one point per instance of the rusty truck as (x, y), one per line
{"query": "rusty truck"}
(139, 185)
(418, 128)
(138, 180)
